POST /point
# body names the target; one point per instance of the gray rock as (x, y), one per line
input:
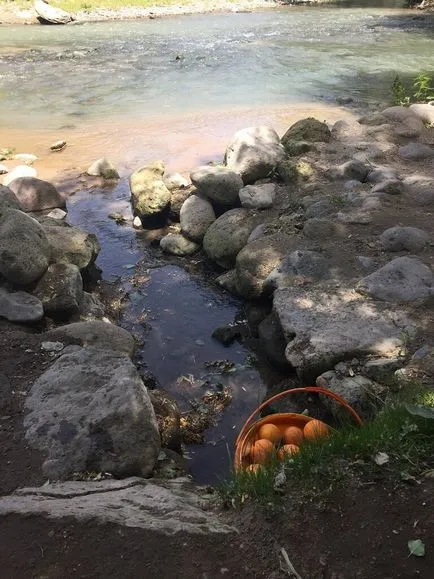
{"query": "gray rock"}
(51, 14)
(404, 279)
(353, 185)
(167, 508)
(390, 186)
(425, 111)
(295, 148)
(420, 369)
(91, 307)
(90, 411)
(175, 181)
(177, 244)
(258, 232)
(179, 196)
(310, 130)
(346, 130)
(95, 334)
(324, 325)
(406, 123)
(24, 249)
(381, 174)
(58, 145)
(227, 236)
(72, 245)
(35, 194)
(60, 290)
(219, 184)
(272, 341)
(20, 307)
(320, 228)
(196, 216)
(57, 214)
(254, 153)
(354, 170)
(298, 266)
(52, 347)
(404, 238)
(320, 209)
(366, 262)
(422, 193)
(149, 195)
(382, 369)
(8, 199)
(360, 392)
(258, 196)
(103, 168)
(257, 260)
(228, 281)
(416, 151)
(19, 171)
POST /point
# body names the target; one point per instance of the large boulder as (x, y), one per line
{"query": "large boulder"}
(20, 307)
(164, 507)
(404, 279)
(196, 216)
(404, 238)
(35, 194)
(219, 184)
(254, 153)
(257, 260)
(51, 14)
(72, 245)
(324, 325)
(8, 199)
(149, 195)
(228, 235)
(90, 411)
(24, 248)
(309, 130)
(60, 290)
(177, 244)
(95, 334)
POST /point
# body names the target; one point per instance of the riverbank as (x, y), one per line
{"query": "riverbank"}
(95, 11)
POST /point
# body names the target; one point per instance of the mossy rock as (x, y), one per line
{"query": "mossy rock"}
(295, 148)
(309, 130)
(292, 172)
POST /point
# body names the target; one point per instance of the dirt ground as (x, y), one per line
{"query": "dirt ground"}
(361, 531)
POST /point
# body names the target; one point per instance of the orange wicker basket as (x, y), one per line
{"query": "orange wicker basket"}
(248, 433)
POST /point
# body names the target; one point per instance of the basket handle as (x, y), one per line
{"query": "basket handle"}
(305, 389)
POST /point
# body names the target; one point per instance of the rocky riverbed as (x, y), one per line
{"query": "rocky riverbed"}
(325, 232)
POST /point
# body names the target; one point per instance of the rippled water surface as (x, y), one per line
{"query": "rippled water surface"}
(205, 62)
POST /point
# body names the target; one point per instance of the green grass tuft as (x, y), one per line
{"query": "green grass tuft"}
(407, 439)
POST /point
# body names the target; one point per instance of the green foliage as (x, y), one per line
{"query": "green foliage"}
(402, 433)
(421, 90)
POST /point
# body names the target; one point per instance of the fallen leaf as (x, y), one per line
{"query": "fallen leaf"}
(416, 547)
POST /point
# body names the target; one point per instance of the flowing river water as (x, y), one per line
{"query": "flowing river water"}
(177, 88)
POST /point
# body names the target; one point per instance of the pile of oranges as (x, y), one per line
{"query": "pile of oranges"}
(272, 440)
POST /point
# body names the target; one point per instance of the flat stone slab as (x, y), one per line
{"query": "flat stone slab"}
(325, 324)
(166, 507)
(20, 307)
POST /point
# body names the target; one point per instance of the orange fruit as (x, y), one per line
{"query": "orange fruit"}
(254, 468)
(315, 430)
(293, 435)
(270, 432)
(261, 451)
(288, 450)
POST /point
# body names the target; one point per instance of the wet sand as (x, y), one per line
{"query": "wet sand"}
(181, 141)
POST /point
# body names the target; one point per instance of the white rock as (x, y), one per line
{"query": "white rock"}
(26, 158)
(103, 168)
(3, 169)
(57, 213)
(20, 171)
(425, 111)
